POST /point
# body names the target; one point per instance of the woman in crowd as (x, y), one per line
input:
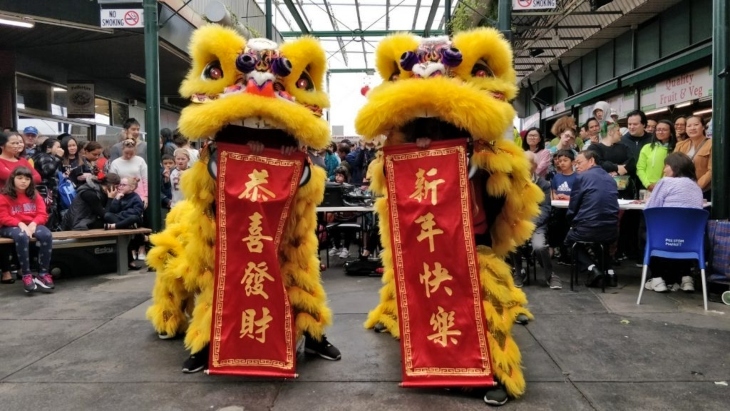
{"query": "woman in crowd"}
(9, 160)
(650, 166)
(91, 203)
(699, 148)
(22, 216)
(680, 128)
(182, 142)
(47, 161)
(125, 211)
(593, 130)
(617, 159)
(331, 160)
(71, 157)
(132, 165)
(89, 156)
(167, 144)
(535, 143)
(678, 188)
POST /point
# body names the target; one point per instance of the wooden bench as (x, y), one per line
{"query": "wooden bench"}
(74, 239)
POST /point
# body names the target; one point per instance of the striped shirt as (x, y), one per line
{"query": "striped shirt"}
(676, 192)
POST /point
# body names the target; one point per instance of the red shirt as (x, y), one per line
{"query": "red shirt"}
(7, 167)
(22, 210)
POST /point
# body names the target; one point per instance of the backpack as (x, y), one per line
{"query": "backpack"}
(366, 267)
(66, 191)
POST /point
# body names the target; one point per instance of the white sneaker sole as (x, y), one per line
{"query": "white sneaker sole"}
(41, 284)
(319, 354)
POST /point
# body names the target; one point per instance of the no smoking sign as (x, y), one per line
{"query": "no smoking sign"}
(533, 4)
(121, 18)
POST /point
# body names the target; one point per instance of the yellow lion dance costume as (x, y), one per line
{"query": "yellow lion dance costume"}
(223, 65)
(461, 92)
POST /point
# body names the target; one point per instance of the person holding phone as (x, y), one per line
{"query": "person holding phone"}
(92, 201)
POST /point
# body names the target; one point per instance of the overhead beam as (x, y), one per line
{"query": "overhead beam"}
(352, 70)
(591, 26)
(560, 13)
(331, 16)
(357, 33)
(447, 15)
(359, 26)
(297, 17)
(415, 15)
(431, 16)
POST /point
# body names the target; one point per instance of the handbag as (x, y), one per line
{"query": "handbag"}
(66, 191)
(718, 232)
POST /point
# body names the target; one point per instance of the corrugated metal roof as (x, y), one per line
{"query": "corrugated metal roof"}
(576, 31)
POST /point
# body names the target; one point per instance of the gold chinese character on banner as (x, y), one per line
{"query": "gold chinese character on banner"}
(427, 229)
(254, 279)
(251, 327)
(433, 278)
(424, 187)
(442, 322)
(253, 241)
(255, 189)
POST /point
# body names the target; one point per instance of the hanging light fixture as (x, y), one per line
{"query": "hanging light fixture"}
(17, 22)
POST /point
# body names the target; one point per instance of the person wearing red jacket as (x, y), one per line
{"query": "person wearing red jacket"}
(22, 216)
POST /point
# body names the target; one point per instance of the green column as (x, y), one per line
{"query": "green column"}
(269, 24)
(504, 17)
(152, 113)
(720, 111)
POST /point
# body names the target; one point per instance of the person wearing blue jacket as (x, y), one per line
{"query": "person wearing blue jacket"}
(592, 214)
(125, 211)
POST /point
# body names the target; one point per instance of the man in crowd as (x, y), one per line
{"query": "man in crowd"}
(30, 136)
(592, 216)
(131, 129)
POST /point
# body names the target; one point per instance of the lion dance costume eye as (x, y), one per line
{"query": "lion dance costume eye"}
(458, 88)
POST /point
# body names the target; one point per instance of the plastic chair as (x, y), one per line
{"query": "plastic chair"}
(675, 233)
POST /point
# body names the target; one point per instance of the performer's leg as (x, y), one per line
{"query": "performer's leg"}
(301, 271)
(502, 303)
(385, 316)
(169, 294)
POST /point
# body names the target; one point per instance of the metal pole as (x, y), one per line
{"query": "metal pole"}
(447, 16)
(152, 113)
(720, 112)
(504, 16)
(269, 24)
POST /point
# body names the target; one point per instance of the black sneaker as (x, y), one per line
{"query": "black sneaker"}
(28, 283)
(322, 348)
(555, 283)
(522, 319)
(165, 336)
(519, 278)
(196, 362)
(380, 328)
(496, 396)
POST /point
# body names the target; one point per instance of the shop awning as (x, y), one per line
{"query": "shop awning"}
(593, 93)
(667, 65)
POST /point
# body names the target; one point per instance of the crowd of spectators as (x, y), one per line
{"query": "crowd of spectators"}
(647, 161)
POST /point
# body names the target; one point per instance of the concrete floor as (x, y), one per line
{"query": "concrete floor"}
(88, 346)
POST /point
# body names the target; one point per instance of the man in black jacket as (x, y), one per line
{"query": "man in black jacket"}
(592, 214)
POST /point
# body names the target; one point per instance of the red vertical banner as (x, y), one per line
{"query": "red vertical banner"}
(442, 326)
(253, 325)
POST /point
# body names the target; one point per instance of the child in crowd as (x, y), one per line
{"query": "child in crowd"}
(564, 177)
(168, 162)
(126, 211)
(561, 185)
(22, 216)
(182, 160)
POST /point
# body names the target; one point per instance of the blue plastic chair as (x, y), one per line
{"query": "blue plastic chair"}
(676, 233)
